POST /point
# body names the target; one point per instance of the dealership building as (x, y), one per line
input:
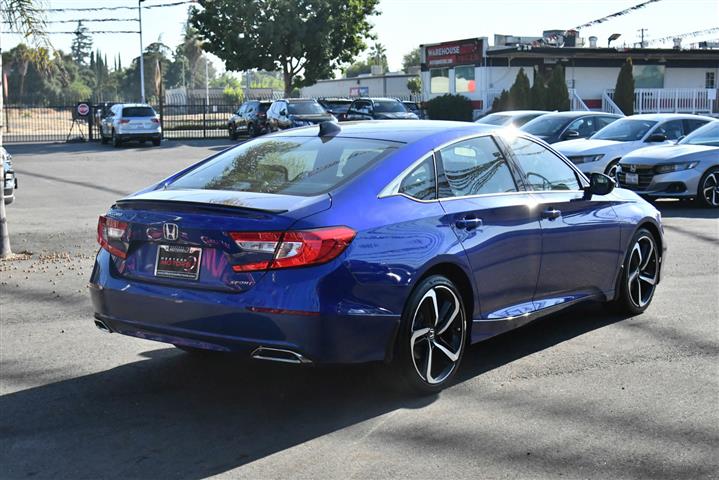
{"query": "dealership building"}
(666, 80)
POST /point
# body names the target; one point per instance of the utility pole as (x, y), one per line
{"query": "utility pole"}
(142, 58)
(207, 85)
(642, 30)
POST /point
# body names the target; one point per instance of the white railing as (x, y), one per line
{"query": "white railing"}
(577, 103)
(609, 106)
(672, 100)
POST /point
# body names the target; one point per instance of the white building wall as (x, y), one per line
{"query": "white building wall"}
(591, 82)
(385, 86)
(687, 77)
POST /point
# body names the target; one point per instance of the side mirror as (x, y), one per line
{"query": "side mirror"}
(571, 134)
(656, 137)
(599, 184)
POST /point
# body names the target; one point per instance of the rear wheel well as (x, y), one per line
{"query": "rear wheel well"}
(460, 279)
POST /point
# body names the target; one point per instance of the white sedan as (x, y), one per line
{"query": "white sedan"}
(602, 151)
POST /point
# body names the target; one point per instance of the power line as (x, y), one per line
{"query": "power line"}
(684, 35)
(97, 9)
(88, 20)
(616, 14)
(74, 32)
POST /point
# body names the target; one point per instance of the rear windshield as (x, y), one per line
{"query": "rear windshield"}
(546, 125)
(264, 107)
(305, 108)
(388, 106)
(138, 112)
(706, 135)
(286, 165)
(338, 107)
(625, 130)
(495, 119)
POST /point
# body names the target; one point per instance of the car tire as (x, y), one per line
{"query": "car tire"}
(708, 190)
(611, 169)
(9, 200)
(639, 276)
(232, 132)
(156, 142)
(432, 336)
(103, 139)
(115, 140)
(251, 132)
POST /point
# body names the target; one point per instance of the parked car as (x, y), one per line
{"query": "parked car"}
(415, 108)
(557, 126)
(512, 118)
(602, 151)
(687, 169)
(250, 119)
(127, 122)
(336, 106)
(395, 241)
(10, 180)
(296, 112)
(379, 109)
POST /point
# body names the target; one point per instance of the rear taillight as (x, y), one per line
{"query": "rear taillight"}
(262, 115)
(155, 120)
(124, 121)
(293, 249)
(111, 235)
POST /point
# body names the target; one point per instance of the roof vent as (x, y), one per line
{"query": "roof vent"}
(329, 129)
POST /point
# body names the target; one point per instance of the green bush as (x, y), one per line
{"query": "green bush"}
(233, 95)
(624, 89)
(538, 92)
(450, 107)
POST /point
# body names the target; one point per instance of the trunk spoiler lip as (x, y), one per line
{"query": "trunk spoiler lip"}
(136, 202)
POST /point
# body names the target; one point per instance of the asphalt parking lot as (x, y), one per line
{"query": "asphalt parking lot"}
(584, 394)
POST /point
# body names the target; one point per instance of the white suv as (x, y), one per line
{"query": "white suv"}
(131, 121)
(602, 151)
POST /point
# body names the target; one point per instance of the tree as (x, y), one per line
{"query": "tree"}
(305, 39)
(410, 59)
(378, 54)
(414, 85)
(557, 92)
(81, 46)
(519, 92)
(624, 89)
(538, 92)
(501, 102)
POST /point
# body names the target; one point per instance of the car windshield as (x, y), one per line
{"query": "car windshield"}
(138, 112)
(545, 126)
(338, 107)
(625, 130)
(264, 107)
(286, 165)
(495, 119)
(706, 135)
(388, 106)
(305, 108)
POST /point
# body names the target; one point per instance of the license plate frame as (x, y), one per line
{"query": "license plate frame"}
(632, 178)
(178, 262)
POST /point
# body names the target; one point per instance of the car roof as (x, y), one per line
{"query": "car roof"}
(123, 105)
(385, 99)
(667, 116)
(404, 131)
(512, 113)
(296, 100)
(577, 114)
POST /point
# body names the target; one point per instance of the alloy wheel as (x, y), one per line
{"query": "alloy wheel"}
(710, 189)
(438, 334)
(612, 172)
(643, 269)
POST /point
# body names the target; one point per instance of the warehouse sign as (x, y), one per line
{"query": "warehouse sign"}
(449, 54)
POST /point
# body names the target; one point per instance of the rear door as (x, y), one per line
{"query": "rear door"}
(488, 210)
(580, 236)
(139, 118)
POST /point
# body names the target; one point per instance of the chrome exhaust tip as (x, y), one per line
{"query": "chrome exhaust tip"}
(279, 355)
(101, 325)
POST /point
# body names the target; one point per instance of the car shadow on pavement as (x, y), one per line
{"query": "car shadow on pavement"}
(36, 149)
(684, 209)
(204, 415)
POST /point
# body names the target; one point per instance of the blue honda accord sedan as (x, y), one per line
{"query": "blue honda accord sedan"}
(400, 242)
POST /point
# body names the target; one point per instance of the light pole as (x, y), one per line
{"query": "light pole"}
(142, 58)
(207, 85)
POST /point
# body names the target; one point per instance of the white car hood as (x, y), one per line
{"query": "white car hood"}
(663, 153)
(591, 147)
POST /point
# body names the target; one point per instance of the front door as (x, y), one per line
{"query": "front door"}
(491, 217)
(580, 236)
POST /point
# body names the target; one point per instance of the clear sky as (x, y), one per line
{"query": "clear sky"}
(404, 24)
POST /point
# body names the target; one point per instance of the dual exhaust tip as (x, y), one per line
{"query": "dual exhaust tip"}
(260, 353)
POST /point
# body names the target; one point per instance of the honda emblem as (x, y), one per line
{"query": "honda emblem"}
(170, 231)
(633, 168)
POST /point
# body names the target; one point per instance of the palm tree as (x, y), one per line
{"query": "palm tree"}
(378, 53)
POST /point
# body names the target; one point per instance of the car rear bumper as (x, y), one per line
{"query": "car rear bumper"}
(139, 136)
(229, 321)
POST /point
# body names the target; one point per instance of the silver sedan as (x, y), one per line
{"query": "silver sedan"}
(686, 169)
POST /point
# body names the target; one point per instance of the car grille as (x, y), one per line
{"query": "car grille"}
(645, 177)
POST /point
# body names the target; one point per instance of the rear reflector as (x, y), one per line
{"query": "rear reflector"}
(293, 249)
(124, 121)
(111, 235)
(155, 120)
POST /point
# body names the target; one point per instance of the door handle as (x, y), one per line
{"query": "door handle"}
(468, 223)
(551, 213)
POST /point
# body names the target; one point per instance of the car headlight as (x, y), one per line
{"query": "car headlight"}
(674, 167)
(586, 158)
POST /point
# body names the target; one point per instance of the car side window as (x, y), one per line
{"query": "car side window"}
(690, 125)
(584, 126)
(672, 129)
(544, 170)
(473, 167)
(420, 182)
(362, 107)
